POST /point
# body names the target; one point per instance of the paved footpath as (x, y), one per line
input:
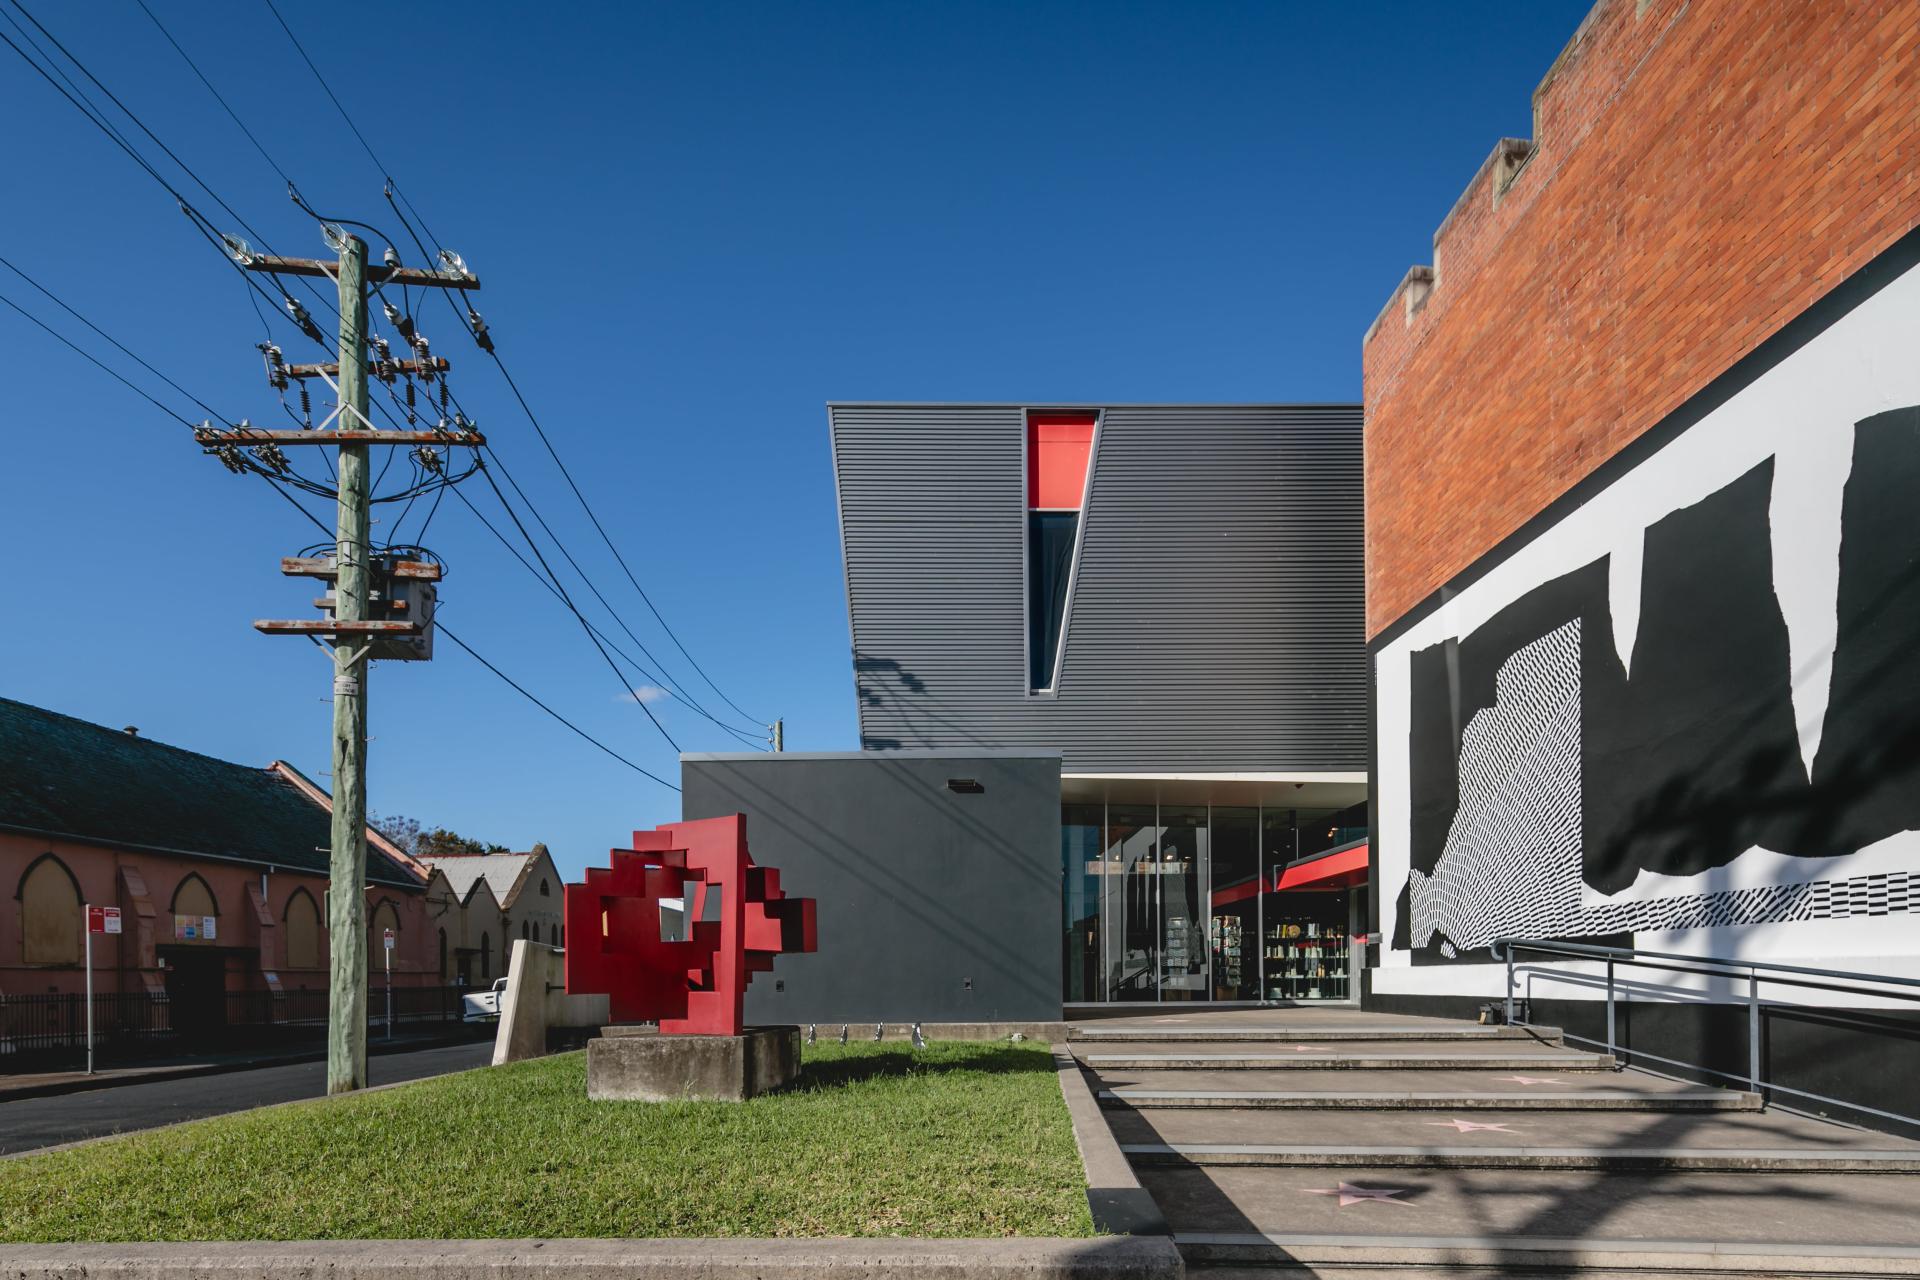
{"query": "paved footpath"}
(1380, 1145)
(32, 1123)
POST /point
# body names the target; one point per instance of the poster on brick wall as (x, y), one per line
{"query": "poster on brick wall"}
(1685, 715)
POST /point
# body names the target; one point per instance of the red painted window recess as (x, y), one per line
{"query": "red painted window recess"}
(1058, 446)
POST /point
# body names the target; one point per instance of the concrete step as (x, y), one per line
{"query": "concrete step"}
(1188, 1057)
(1260, 1256)
(1141, 1098)
(1611, 1159)
(1465, 1032)
(1611, 1130)
(1236, 1214)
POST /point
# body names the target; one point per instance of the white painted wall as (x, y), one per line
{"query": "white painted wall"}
(1800, 412)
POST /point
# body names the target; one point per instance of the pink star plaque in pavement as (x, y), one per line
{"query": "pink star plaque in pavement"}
(1350, 1194)
(1529, 1079)
(1469, 1126)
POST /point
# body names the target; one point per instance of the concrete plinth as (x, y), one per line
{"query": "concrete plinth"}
(638, 1064)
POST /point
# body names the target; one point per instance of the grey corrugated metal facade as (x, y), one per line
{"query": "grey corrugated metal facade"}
(1215, 622)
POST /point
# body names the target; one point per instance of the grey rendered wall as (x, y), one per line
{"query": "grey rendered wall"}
(1216, 622)
(920, 891)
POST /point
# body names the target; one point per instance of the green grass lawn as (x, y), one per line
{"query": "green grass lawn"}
(875, 1140)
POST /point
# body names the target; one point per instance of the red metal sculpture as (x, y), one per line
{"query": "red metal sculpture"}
(736, 920)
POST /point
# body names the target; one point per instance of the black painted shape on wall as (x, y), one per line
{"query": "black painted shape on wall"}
(1454, 680)
(1692, 760)
(1866, 775)
(1696, 758)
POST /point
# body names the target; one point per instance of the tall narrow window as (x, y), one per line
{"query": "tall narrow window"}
(1058, 448)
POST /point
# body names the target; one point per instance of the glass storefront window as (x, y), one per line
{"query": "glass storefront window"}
(1170, 903)
(1304, 948)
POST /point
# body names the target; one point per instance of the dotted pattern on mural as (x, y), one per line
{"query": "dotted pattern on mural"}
(1511, 866)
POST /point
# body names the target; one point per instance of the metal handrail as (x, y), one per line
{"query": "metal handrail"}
(1847, 980)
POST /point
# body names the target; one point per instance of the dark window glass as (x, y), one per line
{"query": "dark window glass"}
(1050, 537)
(1234, 931)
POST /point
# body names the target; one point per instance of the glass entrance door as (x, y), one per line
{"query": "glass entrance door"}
(1183, 903)
(1130, 903)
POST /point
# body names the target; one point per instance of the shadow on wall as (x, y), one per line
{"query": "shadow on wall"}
(868, 673)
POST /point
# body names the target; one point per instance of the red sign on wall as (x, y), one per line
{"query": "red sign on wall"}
(103, 919)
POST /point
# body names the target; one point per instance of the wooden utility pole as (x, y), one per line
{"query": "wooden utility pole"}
(356, 634)
(347, 871)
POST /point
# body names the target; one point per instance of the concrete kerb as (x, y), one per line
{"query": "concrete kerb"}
(1112, 1258)
(1120, 1205)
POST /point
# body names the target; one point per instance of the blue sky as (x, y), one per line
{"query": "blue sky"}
(695, 226)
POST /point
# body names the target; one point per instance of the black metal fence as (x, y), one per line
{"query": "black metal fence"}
(135, 1024)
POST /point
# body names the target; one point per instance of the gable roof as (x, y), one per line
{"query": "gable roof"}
(463, 871)
(70, 779)
(504, 873)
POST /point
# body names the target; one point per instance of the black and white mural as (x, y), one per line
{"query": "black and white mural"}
(1686, 715)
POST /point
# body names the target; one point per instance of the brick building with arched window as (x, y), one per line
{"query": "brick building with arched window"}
(219, 870)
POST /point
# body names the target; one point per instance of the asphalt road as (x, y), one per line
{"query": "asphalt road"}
(44, 1122)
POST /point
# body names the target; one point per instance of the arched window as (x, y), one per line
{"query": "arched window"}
(50, 920)
(486, 958)
(544, 892)
(303, 931)
(443, 955)
(555, 933)
(193, 897)
(193, 906)
(526, 930)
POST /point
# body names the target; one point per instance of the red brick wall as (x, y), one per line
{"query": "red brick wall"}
(1705, 169)
(126, 963)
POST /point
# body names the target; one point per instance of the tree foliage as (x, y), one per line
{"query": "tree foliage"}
(419, 842)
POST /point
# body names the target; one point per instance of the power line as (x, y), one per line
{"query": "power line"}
(90, 357)
(534, 511)
(447, 631)
(323, 84)
(96, 117)
(566, 600)
(61, 303)
(140, 124)
(124, 381)
(568, 475)
(393, 188)
(601, 530)
(231, 114)
(631, 661)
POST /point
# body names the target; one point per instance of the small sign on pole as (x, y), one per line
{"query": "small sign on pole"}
(98, 920)
(387, 938)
